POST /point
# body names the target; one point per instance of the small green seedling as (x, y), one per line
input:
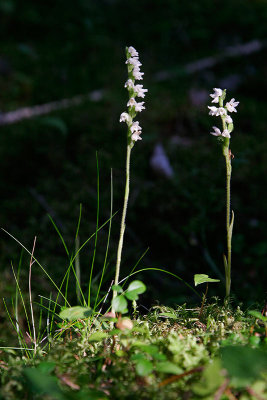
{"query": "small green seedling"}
(120, 302)
(203, 278)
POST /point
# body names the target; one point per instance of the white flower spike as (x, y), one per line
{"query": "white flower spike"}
(222, 111)
(134, 107)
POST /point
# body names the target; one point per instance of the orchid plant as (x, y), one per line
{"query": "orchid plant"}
(134, 132)
(224, 137)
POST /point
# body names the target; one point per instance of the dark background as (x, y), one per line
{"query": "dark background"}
(57, 49)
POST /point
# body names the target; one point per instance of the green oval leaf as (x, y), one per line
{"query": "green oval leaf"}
(203, 278)
(132, 295)
(76, 312)
(137, 286)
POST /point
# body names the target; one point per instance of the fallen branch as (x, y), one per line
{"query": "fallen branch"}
(253, 46)
(12, 117)
(177, 377)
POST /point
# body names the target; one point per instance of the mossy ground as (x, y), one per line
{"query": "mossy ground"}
(169, 354)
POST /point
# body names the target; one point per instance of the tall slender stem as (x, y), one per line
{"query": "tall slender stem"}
(229, 226)
(122, 229)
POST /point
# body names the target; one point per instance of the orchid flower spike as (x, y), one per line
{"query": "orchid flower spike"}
(222, 111)
(134, 73)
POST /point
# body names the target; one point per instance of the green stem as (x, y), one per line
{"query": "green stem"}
(125, 203)
(229, 226)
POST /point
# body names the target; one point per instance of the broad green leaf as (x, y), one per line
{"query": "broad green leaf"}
(144, 367)
(244, 364)
(203, 278)
(258, 315)
(134, 289)
(97, 336)
(137, 286)
(132, 295)
(168, 367)
(117, 288)
(119, 304)
(74, 313)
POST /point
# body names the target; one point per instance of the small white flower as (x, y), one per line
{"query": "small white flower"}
(228, 119)
(133, 61)
(131, 102)
(137, 74)
(217, 93)
(231, 105)
(220, 111)
(129, 84)
(213, 110)
(124, 117)
(135, 127)
(216, 132)
(226, 133)
(140, 92)
(133, 52)
(139, 106)
(136, 136)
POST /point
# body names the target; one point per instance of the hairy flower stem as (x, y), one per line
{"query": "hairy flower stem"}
(229, 224)
(123, 218)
